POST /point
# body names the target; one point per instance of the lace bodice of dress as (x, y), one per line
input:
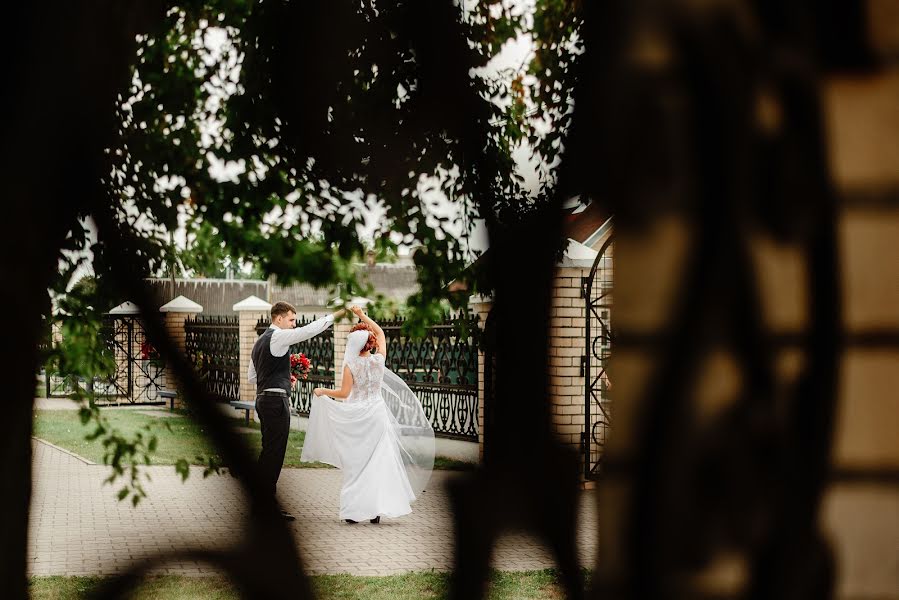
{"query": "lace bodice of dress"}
(368, 372)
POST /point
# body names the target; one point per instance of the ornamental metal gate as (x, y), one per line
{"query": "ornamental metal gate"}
(140, 370)
(320, 352)
(597, 293)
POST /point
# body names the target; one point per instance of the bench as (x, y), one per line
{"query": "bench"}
(170, 395)
(245, 406)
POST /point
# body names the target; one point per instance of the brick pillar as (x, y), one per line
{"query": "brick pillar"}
(174, 325)
(174, 314)
(342, 328)
(566, 347)
(249, 312)
(481, 306)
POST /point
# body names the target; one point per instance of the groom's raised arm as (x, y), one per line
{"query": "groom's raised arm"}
(283, 339)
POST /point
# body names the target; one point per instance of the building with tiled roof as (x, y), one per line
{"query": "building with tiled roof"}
(586, 226)
(586, 223)
(396, 281)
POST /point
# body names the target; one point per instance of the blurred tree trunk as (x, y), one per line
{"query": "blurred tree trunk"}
(67, 61)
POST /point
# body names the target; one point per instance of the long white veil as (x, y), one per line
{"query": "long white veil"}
(411, 426)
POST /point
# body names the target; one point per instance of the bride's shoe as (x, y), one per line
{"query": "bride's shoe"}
(376, 520)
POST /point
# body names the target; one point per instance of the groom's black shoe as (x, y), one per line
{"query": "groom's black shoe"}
(287, 516)
(350, 521)
(376, 520)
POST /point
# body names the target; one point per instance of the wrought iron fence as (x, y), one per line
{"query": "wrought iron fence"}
(442, 369)
(320, 352)
(213, 345)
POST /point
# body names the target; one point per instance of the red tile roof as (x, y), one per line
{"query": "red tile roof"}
(582, 225)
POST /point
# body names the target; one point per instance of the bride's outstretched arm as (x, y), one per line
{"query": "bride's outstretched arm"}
(379, 333)
(346, 385)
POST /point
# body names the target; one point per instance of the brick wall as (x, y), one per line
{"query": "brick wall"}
(566, 347)
(247, 321)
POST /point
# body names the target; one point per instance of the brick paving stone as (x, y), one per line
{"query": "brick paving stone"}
(78, 527)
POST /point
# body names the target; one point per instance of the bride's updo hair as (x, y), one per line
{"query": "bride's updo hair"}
(372, 340)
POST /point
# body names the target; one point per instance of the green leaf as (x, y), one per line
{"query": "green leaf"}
(182, 468)
(95, 434)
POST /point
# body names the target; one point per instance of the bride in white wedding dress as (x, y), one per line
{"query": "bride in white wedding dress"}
(374, 429)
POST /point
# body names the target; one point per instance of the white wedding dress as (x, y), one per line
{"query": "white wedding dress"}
(379, 437)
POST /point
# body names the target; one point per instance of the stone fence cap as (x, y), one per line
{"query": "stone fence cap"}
(181, 305)
(125, 308)
(252, 303)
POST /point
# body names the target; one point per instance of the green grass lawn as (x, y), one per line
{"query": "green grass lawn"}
(183, 438)
(525, 585)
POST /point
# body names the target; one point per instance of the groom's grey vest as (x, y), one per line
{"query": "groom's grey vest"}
(271, 371)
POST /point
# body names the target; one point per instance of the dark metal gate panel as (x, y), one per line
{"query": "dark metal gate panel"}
(213, 345)
(597, 294)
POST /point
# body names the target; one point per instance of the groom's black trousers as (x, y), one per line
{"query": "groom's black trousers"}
(274, 416)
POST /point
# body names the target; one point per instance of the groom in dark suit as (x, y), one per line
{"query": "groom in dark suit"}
(270, 371)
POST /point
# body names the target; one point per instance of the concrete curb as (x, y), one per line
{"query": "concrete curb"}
(64, 451)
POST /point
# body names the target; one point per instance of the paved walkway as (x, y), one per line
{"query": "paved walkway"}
(55, 404)
(78, 528)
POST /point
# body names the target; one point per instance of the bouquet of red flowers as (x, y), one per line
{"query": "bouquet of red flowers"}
(299, 367)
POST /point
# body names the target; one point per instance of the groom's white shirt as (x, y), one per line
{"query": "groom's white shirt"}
(283, 339)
